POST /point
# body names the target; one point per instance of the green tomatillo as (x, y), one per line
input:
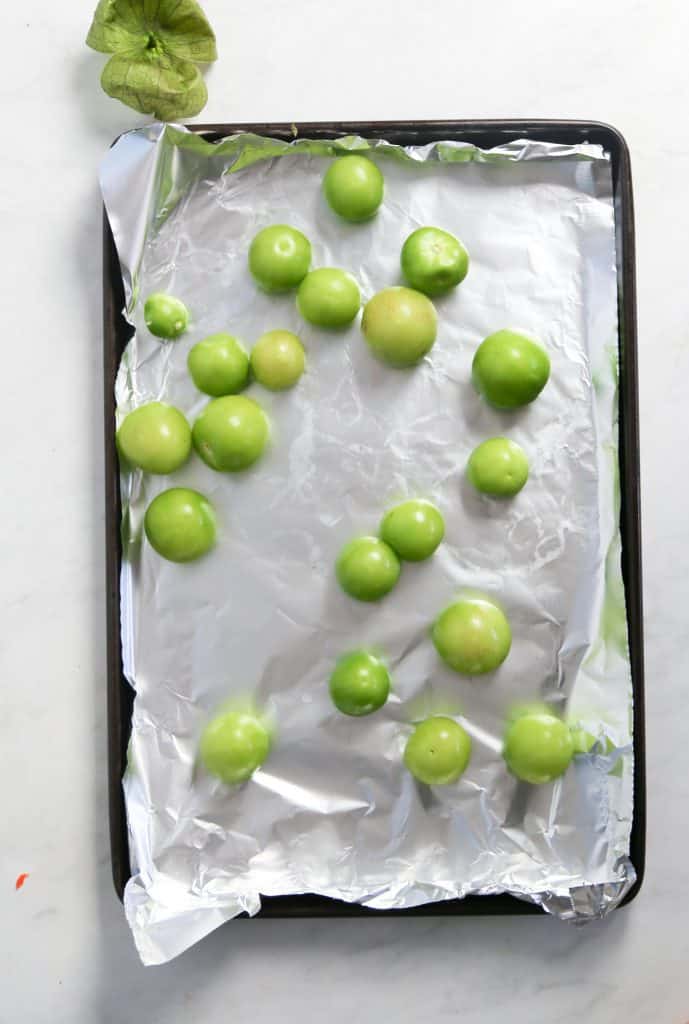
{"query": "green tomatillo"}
(367, 568)
(400, 326)
(359, 684)
(278, 360)
(231, 433)
(473, 635)
(413, 529)
(219, 365)
(498, 467)
(279, 258)
(538, 747)
(155, 50)
(180, 524)
(329, 297)
(353, 187)
(438, 751)
(510, 369)
(155, 437)
(233, 745)
(434, 261)
(165, 316)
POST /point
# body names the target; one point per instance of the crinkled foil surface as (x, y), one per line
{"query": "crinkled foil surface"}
(333, 811)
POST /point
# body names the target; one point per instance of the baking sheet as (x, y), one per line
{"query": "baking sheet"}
(333, 811)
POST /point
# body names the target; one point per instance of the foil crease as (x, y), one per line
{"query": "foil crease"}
(333, 811)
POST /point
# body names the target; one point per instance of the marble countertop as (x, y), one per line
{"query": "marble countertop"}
(66, 954)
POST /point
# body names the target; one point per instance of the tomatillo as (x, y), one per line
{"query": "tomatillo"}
(510, 369)
(400, 326)
(165, 316)
(434, 261)
(413, 529)
(155, 437)
(277, 360)
(231, 433)
(180, 524)
(538, 747)
(219, 365)
(367, 568)
(472, 636)
(353, 187)
(329, 297)
(233, 745)
(279, 258)
(438, 751)
(360, 683)
(498, 467)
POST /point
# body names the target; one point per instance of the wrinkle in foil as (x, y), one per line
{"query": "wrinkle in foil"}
(333, 811)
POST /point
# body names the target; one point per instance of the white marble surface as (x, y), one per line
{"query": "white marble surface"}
(65, 951)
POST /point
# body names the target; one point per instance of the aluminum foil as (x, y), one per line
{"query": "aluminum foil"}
(333, 811)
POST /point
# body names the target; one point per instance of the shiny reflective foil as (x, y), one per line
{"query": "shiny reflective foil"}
(333, 811)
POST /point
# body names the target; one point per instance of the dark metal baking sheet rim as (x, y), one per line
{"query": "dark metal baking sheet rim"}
(485, 134)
